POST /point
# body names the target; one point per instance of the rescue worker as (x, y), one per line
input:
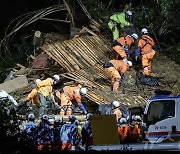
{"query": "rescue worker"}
(123, 129)
(116, 110)
(79, 135)
(117, 68)
(68, 134)
(122, 45)
(44, 134)
(69, 94)
(58, 123)
(146, 47)
(33, 95)
(87, 138)
(29, 131)
(44, 92)
(51, 125)
(119, 18)
(134, 132)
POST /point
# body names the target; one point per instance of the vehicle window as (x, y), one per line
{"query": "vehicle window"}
(159, 110)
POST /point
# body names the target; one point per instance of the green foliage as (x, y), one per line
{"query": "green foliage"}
(97, 9)
(162, 19)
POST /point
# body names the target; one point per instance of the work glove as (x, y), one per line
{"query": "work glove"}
(154, 48)
(137, 53)
(125, 47)
(82, 107)
(122, 78)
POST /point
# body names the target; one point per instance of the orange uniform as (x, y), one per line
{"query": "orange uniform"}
(123, 133)
(44, 91)
(134, 133)
(69, 94)
(33, 96)
(146, 44)
(118, 66)
(45, 87)
(123, 41)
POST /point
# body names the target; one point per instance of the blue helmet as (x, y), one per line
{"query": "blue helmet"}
(72, 118)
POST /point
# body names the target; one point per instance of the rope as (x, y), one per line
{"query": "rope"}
(146, 15)
(84, 9)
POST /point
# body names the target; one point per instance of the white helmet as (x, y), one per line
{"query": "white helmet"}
(51, 121)
(58, 119)
(115, 103)
(45, 117)
(122, 121)
(129, 13)
(135, 36)
(38, 80)
(137, 118)
(144, 31)
(83, 91)
(56, 77)
(31, 116)
(129, 63)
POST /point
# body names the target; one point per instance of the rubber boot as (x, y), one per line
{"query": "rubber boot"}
(82, 107)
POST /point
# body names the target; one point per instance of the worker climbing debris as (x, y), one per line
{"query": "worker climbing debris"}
(122, 45)
(121, 19)
(77, 58)
(44, 92)
(146, 47)
(69, 94)
(117, 68)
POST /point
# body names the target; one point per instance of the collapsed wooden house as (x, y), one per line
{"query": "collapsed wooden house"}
(82, 58)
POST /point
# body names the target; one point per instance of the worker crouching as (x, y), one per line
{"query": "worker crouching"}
(123, 44)
(117, 68)
(134, 132)
(69, 94)
(44, 93)
(123, 129)
(146, 47)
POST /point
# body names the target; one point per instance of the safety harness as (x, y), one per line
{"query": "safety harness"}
(147, 41)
